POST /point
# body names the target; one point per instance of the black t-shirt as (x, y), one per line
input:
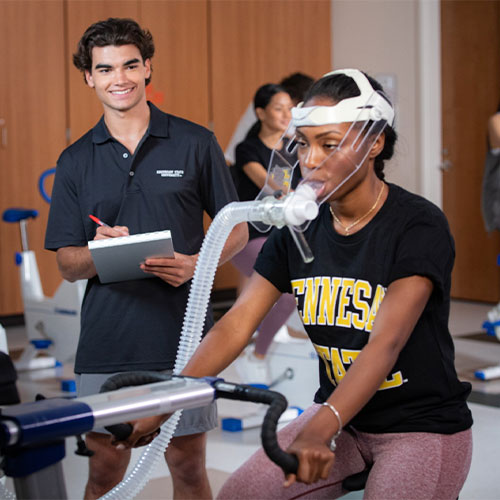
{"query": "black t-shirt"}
(252, 149)
(338, 295)
(8, 376)
(177, 172)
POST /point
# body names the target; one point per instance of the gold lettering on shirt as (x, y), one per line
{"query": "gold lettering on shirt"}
(396, 380)
(362, 291)
(379, 296)
(311, 300)
(329, 292)
(337, 361)
(324, 354)
(344, 317)
(334, 301)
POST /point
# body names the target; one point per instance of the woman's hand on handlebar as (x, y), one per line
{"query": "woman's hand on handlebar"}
(315, 459)
(144, 431)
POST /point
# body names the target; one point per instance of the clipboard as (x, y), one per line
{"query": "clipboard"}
(118, 259)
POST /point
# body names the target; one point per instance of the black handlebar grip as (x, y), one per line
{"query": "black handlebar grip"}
(277, 405)
(288, 462)
(120, 431)
(129, 379)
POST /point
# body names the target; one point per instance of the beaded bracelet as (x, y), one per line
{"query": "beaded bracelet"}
(333, 445)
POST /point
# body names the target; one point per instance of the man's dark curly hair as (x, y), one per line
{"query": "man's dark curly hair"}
(113, 31)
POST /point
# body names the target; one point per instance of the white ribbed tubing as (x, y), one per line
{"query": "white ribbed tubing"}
(5, 493)
(192, 329)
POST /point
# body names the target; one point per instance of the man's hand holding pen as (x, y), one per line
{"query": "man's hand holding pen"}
(106, 231)
(110, 232)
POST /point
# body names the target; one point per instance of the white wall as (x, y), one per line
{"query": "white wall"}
(398, 41)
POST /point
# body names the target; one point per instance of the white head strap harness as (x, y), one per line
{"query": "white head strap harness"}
(369, 105)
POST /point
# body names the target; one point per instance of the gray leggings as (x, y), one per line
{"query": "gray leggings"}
(412, 465)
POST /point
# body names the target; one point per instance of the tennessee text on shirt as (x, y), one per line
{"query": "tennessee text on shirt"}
(325, 301)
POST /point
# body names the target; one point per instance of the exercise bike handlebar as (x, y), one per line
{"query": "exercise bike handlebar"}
(277, 405)
(225, 390)
(288, 462)
(35, 424)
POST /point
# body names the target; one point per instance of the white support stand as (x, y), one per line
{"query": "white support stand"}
(3, 340)
(56, 319)
(491, 372)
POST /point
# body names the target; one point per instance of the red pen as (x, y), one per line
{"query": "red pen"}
(98, 221)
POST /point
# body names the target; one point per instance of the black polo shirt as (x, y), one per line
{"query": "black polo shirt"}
(177, 172)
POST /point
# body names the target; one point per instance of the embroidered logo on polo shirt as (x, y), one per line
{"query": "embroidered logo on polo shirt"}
(170, 173)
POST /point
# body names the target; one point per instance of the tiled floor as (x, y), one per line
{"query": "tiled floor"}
(227, 450)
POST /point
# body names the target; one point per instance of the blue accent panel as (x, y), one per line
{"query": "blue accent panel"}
(50, 419)
(68, 385)
(41, 343)
(18, 258)
(69, 312)
(299, 410)
(489, 326)
(41, 183)
(18, 214)
(212, 380)
(23, 462)
(498, 259)
(480, 375)
(259, 386)
(231, 424)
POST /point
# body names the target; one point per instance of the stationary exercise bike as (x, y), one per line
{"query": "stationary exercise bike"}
(52, 323)
(32, 435)
(48, 422)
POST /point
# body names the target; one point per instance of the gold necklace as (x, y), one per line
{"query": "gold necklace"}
(357, 221)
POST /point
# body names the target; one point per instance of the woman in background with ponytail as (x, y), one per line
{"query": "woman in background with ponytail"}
(272, 105)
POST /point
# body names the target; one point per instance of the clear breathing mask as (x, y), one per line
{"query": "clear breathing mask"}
(367, 115)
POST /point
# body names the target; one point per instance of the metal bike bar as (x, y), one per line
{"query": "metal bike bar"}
(48, 419)
(32, 434)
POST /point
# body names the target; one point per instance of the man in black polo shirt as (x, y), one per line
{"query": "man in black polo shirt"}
(138, 170)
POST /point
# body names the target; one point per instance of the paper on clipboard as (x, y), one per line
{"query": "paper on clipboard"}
(118, 259)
